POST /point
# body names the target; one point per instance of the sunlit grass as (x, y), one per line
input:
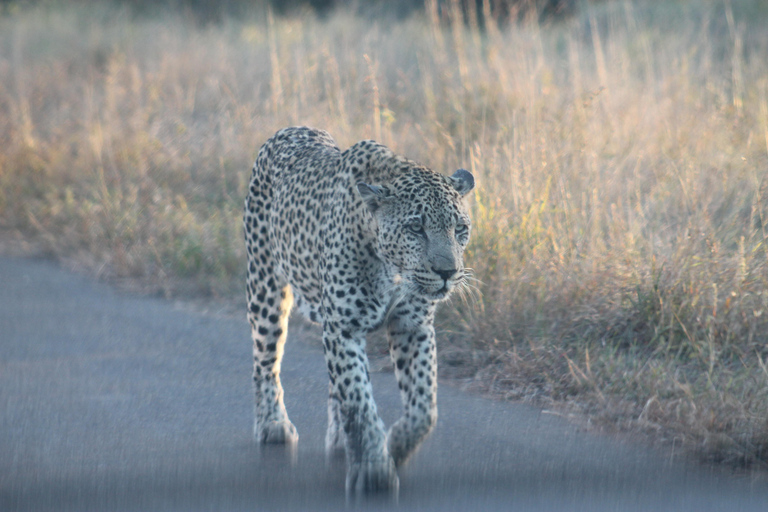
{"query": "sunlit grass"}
(619, 239)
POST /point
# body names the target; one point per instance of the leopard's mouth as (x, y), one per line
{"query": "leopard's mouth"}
(436, 289)
(442, 292)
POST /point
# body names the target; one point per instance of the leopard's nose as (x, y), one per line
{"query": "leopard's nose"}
(445, 274)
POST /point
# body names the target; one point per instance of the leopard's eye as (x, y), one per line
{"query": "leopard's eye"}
(461, 230)
(415, 227)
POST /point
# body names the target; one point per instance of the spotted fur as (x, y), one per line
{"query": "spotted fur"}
(358, 239)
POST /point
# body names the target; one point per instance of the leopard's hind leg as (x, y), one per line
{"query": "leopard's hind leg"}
(270, 300)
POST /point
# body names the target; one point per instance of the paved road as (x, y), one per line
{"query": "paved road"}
(112, 402)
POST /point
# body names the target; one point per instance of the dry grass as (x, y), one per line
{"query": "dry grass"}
(619, 236)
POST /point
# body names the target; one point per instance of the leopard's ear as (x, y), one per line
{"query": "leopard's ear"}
(373, 195)
(463, 181)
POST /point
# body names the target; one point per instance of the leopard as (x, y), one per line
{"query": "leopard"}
(356, 240)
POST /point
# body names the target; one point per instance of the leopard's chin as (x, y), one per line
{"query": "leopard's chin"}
(438, 293)
(441, 294)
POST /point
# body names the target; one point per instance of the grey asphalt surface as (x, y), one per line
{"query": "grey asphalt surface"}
(116, 402)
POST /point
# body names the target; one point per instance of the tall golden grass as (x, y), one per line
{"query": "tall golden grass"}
(620, 218)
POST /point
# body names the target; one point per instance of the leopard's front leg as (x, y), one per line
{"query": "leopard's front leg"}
(370, 468)
(335, 442)
(412, 348)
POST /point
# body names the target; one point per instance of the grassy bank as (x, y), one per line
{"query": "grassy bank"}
(619, 239)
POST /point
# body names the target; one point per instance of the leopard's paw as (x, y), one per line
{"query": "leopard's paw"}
(372, 476)
(276, 432)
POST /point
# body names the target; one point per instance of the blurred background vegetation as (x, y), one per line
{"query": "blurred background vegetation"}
(205, 11)
(620, 149)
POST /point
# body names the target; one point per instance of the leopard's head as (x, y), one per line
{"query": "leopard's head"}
(423, 227)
